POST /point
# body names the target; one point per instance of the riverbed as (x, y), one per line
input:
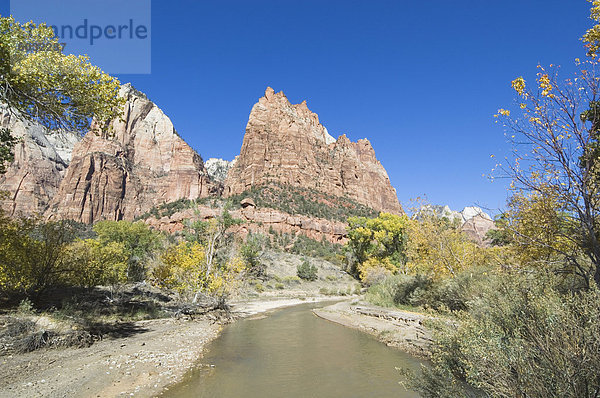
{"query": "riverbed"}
(293, 353)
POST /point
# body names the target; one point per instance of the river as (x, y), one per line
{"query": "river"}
(293, 353)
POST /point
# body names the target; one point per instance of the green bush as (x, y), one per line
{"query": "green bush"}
(259, 287)
(291, 280)
(445, 295)
(520, 338)
(250, 252)
(307, 271)
(397, 290)
(279, 286)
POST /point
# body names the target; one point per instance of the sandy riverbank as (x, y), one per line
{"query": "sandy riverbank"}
(396, 328)
(152, 356)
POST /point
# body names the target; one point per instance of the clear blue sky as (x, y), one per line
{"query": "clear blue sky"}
(420, 79)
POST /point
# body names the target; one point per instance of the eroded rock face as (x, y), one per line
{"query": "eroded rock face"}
(142, 163)
(474, 222)
(477, 227)
(286, 144)
(41, 160)
(218, 168)
(259, 220)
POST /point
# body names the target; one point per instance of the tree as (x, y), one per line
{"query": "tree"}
(140, 243)
(185, 270)
(591, 38)
(555, 139)
(307, 271)
(438, 248)
(382, 238)
(32, 254)
(92, 263)
(40, 83)
(212, 234)
(250, 252)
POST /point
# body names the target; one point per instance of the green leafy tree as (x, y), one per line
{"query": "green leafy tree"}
(250, 253)
(307, 271)
(139, 241)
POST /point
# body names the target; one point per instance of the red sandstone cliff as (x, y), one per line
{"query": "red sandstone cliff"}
(142, 163)
(41, 159)
(285, 143)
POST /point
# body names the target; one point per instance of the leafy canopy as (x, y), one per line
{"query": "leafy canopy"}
(40, 82)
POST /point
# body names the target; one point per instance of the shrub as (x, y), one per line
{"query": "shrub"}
(291, 280)
(250, 252)
(307, 271)
(522, 338)
(92, 263)
(396, 290)
(279, 286)
(32, 254)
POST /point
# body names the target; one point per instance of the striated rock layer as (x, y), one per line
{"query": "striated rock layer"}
(259, 220)
(41, 160)
(285, 143)
(142, 163)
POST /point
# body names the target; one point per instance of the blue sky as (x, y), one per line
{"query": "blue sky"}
(421, 80)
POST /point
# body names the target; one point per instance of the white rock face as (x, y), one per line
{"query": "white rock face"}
(473, 211)
(473, 221)
(440, 212)
(217, 168)
(463, 216)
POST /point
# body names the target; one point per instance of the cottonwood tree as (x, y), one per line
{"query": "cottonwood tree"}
(40, 83)
(555, 153)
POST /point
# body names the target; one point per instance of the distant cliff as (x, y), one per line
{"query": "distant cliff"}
(41, 161)
(285, 144)
(142, 162)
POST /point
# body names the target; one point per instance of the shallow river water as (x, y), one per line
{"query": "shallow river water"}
(293, 353)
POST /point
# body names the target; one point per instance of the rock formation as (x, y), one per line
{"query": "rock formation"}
(286, 144)
(259, 220)
(41, 160)
(474, 222)
(141, 163)
(217, 169)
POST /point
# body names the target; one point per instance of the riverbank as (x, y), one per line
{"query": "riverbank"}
(395, 328)
(148, 358)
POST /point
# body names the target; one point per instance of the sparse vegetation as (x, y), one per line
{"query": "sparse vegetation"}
(307, 271)
(309, 202)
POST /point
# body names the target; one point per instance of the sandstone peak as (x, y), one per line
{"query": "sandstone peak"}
(285, 143)
(142, 164)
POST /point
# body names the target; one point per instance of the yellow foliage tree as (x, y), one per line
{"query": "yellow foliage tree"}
(94, 263)
(438, 249)
(377, 243)
(184, 269)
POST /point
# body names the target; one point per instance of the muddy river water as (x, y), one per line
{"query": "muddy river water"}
(293, 353)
